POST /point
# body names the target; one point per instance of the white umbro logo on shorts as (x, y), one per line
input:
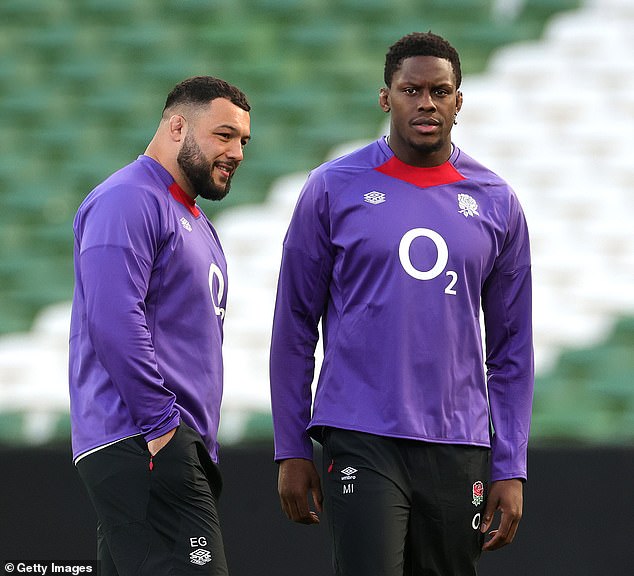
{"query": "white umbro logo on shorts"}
(374, 197)
(349, 473)
(200, 557)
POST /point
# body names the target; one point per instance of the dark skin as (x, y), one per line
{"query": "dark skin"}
(507, 497)
(297, 478)
(423, 100)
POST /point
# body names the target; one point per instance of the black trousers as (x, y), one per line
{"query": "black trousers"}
(156, 522)
(400, 507)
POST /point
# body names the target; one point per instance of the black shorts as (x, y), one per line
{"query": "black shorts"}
(403, 507)
(156, 522)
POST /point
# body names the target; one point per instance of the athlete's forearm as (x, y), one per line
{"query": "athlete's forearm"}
(510, 371)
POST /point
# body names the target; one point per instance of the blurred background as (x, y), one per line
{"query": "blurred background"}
(548, 104)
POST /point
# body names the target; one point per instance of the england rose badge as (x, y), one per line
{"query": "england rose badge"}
(478, 493)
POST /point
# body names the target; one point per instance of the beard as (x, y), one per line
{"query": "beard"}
(428, 147)
(198, 170)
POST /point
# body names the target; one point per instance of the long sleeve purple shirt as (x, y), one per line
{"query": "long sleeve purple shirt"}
(398, 262)
(148, 310)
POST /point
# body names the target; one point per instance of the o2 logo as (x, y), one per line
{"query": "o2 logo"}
(216, 273)
(442, 257)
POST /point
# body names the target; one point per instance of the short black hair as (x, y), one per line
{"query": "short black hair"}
(420, 44)
(202, 90)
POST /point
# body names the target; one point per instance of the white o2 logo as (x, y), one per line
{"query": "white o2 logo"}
(215, 272)
(442, 257)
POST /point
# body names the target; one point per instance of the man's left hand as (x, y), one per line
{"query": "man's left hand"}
(507, 497)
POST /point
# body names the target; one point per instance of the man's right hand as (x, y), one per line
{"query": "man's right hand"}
(155, 445)
(297, 478)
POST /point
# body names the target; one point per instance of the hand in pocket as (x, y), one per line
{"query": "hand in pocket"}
(154, 446)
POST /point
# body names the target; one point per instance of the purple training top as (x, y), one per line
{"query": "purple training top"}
(148, 310)
(396, 261)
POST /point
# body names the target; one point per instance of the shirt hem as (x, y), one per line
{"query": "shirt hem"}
(314, 432)
(97, 448)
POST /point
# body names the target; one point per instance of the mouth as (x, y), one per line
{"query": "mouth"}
(226, 169)
(426, 125)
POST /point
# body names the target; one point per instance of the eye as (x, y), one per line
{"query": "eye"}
(410, 91)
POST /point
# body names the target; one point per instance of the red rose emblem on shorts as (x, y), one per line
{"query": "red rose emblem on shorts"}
(478, 493)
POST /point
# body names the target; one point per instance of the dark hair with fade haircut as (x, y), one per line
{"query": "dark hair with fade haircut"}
(202, 90)
(420, 44)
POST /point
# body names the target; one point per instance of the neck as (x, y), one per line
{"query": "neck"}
(157, 152)
(419, 158)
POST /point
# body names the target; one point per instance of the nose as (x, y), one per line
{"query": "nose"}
(235, 151)
(425, 101)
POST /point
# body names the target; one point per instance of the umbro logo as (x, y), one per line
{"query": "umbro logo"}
(185, 224)
(349, 473)
(374, 197)
(200, 557)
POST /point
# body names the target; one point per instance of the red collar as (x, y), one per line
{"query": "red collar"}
(421, 177)
(185, 199)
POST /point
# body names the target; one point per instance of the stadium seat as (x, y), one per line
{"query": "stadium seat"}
(106, 12)
(11, 426)
(27, 12)
(543, 9)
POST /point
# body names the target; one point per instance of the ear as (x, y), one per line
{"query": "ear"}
(177, 127)
(458, 101)
(384, 99)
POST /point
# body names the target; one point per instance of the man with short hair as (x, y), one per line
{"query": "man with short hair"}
(395, 248)
(146, 371)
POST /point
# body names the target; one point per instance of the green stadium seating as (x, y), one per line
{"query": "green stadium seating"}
(30, 12)
(258, 426)
(106, 11)
(542, 9)
(82, 86)
(624, 332)
(589, 395)
(11, 426)
(462, 11)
